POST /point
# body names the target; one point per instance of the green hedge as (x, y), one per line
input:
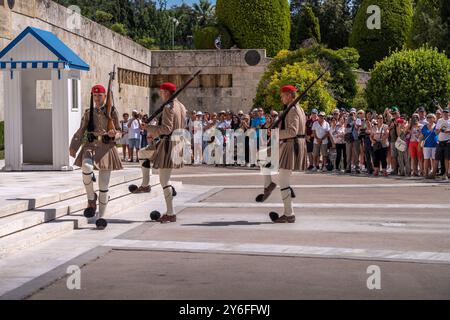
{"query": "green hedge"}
(408, 79)
(262, 24)
(119, 28)
(342, 82)
(204, 38)
(427, 25)
(2, 135)
(301, 75)
(308, 27)
(374, 45)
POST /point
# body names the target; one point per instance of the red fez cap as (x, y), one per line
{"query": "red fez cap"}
(98, 89)
(289, 89)
(168, 86)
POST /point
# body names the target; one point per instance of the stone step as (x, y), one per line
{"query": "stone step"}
(21, 204)
(33, 236)
(27, 219)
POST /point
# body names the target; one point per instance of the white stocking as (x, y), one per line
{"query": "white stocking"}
(164, 177)
(88, 177)
(103, 185)
(146, 172)
(286, 194)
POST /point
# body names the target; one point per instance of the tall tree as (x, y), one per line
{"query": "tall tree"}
(427, 27)
(188, 22)
(148, 22)
(295, 7)
(445, 17)
(375, 43)
(335, 23)
(266, 25)
(308, 26)
(204, 12)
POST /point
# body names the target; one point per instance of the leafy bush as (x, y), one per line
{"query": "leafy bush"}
(148, 43)
(349, 55)
(300, 74)
(360, 101)
(308, 26)
(204, 38)
(374, 45)
(119, 28)
(258, 24)
(103, 17)
(408, 79)
(342, 82)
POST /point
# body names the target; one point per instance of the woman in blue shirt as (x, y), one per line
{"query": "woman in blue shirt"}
(429, 141)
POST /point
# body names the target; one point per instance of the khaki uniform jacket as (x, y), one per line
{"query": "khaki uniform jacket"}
(105, 155)
(292, 149)
(172, 118)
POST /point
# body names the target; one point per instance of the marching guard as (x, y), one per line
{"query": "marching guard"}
(292, 155)
(161, 155)
(98, 152)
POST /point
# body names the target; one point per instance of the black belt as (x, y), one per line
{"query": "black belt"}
(105, 139)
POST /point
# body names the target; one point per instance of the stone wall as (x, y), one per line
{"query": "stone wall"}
(98, 46)
(228, 80)
(362, 78)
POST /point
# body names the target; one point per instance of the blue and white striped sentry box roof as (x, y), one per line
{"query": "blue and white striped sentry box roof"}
(39, 49)
(19, 65)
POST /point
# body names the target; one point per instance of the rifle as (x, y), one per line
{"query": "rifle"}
(110, 100)
(172, 97)
(297, 100)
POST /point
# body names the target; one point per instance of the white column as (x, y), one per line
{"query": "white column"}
(13, 121)
(60, 120)
(75, 112)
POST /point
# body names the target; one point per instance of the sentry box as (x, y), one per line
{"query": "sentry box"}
(42, 101)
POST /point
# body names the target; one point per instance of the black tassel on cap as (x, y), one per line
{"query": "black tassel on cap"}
(91, 127)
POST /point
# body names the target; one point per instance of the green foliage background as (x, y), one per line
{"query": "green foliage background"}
(408, 79)
(427, 27)
(341, 84)
(374, 45)
(300, 74)
(257, 24)
(308, 26)
(204, 38)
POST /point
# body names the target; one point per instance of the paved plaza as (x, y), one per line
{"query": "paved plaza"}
(224, 245)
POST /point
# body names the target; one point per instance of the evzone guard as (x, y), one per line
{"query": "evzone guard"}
(292, 154)
(160, 153)
(101, 124)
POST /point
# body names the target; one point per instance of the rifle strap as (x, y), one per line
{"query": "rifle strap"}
(283, 120)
